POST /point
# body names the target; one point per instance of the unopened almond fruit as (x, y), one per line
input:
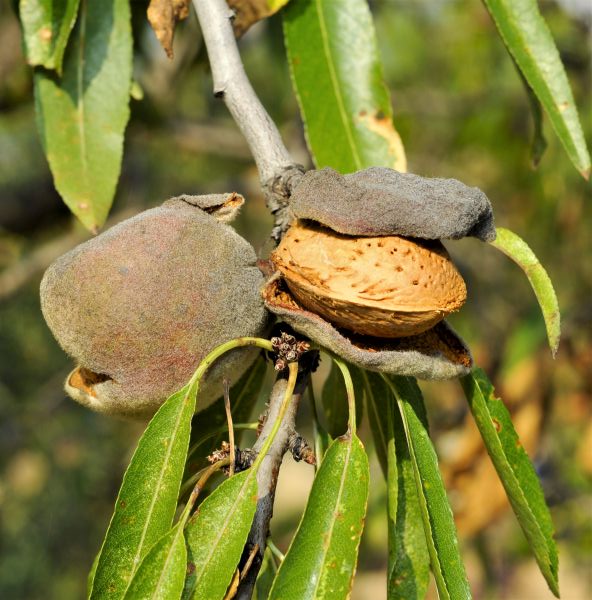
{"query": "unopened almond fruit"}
(385, 286)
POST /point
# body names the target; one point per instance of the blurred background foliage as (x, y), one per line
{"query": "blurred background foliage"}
(462, 112)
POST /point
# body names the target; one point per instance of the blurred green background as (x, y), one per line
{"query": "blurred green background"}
(462, 112)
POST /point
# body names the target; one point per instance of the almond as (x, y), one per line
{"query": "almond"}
(385, 286)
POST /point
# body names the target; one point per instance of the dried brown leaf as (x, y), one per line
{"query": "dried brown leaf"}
(163, 16)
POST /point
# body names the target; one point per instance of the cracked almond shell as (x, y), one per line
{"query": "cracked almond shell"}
(386, 286)
(438, 353)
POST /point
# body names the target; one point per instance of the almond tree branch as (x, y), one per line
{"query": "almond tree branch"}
(277, 170)
(270, 466)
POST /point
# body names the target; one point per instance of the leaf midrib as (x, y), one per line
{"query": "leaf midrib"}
(225, 523)
(507, 468)
(160, 478)
(338, 500)
(335, 84)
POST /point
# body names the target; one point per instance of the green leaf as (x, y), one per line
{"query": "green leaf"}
(162, 572)
(334, 400)
(46, 28)
(321, 560)
(538, 145)
(530, 43)
(439, 528)
(337, 77)
(515, 471)
(82, 115)
(518, 250)
(216, 535)
(409, 561)
(147, 500)
(378, 405)
(266, 576)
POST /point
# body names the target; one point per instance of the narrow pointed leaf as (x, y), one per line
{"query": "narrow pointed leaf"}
(46, 28)
(321, 560)
(377, 395)
(266, 576)
(518, 250)
(82, 115)
(515, 471)
(147, 500)
(439, 528)
(529, 41)
(337, 77)
(162, 572)
(216, 535)
(409, 561)
(334, 400)
(538, 144)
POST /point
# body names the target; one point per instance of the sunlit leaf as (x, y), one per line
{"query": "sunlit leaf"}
(515, 471)
(409, 561)
(217, 532)
(82, 115)
(529, 40)
(518, 250)
(337, 76)
(321, 560)
(162, 572)
(266, 576)
(46, 28)
(334, 400)
(216, 535)
(538, 144)
(147, 500)
(440, 531)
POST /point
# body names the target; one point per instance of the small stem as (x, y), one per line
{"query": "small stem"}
(293, 374)
(223, 429)
(217, 352)
(275, 550)
(230, 427)
(351, 397)
(199, 486)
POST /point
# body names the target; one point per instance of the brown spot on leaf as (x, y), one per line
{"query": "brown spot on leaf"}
(45, 34)
(497, 425)
(164, 16)
(382, 125)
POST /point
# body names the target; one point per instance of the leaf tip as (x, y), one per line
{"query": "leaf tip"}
(585, 173)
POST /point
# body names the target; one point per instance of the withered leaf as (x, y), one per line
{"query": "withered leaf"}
(248, 12)
(163, 16)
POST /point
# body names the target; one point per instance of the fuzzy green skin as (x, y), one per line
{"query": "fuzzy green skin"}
(146, 300)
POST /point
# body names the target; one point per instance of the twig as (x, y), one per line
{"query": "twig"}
(277, 171)
(270, 466)
(249, 562)
(230, 427)
(199, 486)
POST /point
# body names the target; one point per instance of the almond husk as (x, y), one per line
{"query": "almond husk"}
(386, 286)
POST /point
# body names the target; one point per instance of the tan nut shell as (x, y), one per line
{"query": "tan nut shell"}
(386, 286)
